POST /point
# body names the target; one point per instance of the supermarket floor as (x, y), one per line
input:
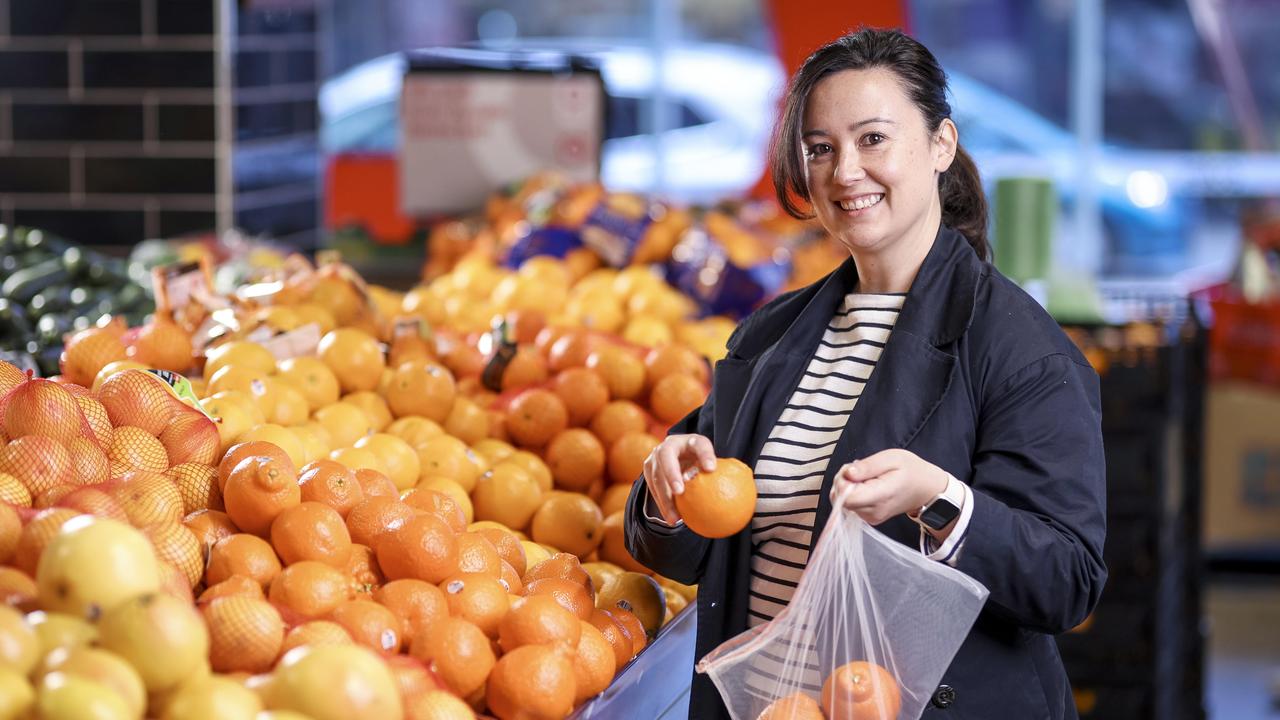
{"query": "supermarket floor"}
(1243, 676)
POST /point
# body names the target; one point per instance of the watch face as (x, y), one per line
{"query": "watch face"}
(939, 514)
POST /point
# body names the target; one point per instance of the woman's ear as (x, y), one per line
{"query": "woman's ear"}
(945, 142)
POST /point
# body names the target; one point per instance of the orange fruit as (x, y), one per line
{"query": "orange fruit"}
(369, 624)
(374, 516)
(438, 504)
(538, 619)
(447, 456)
(719, 503)
(89, 464)
(477, 555)
(311, 531)
(173, 582)
(467, 421)
(286, 404)
(627, 456)
(99, 422)
(36, 535)
(620, 369)
(533, 465)
(248, 382)
(796, 706)
(87, 352)
(178, 546)
(241, 353)
(234, 586)
(191, 437)
(436, 705)
(527, 368)
(313, 378)
(507, 494)
(42, 407)
(423, 547)
(133, 448)
(452, 490)
(280, 437)
(309, 588)
(354, 357)
(617, 419)
(572, 596)
(614, 634)
(259, 489)
(562, 566)
(316, 444)
(362, 566)
(675, 359)
(635, 629)
(675, 396)
(493, 450)
(13, 492)
(571, 349)
(38, 462)
(569, 521)
(464, 360)
(861, 690)
(331, 483)
(532, 681)
(414, 429)
(245, 634)
(373, 407)
(140, 399)
(510, 579)
(477, 598)
(52, 496)
(583, 391)
(417, 604)
(536, 416)
(376, 484)
(245, 555)
(576, 459)
(315, 633)
(507, 546)
(345, 422)
(231, 420)
(593, 664)
(240, 451)
(399, 461)
(358, 459)
(10, 531)
(210, 526)
(459, 652)
(147, 497)
(613, 548)
(17, 589)
(423, 389)
(197, 484)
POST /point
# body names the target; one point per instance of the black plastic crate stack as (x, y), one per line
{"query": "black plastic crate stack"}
(1140, 654)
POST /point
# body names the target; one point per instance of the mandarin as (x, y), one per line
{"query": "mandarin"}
(376, 516)
(369, 624)
(309, 588)
(258, 490)
(477, 598)
(311, 531)
(459, 652)
(538, 619)
(572, 596)
(423, 547)
(242, 554)
(331, 483)
(416, 603)
(533, 681)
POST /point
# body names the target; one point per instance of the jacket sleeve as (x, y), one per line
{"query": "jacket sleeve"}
(674, 552)
(1039, 487)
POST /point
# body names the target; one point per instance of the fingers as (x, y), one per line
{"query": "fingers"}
(702, 451)
(873, 466)
(660, 489)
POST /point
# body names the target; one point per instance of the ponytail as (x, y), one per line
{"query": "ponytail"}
(964, 205)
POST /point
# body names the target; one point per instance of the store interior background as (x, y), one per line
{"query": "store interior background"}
(1156, 121)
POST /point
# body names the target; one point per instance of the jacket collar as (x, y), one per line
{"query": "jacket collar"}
(938, 308)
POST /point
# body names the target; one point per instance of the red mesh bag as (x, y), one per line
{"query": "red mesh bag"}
(197, 483)
(133, 448)
(37, 406)
(37, 462)
(146, 497)
(140, 399)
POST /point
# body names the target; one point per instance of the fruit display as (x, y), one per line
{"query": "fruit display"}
(50, 287)
(326, 498)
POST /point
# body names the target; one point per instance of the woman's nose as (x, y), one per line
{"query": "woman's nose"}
(849, 168)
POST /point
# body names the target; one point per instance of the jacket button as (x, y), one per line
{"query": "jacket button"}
(944, 696)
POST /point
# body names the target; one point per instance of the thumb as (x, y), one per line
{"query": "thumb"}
(872, 466)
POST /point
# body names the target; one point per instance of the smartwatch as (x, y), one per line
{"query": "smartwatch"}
(944, 508)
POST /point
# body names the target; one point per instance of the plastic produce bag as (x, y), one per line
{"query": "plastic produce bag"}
(880, 617)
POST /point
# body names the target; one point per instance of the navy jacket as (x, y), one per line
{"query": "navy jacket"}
(975, 378)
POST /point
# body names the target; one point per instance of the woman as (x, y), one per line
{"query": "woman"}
(960, 416)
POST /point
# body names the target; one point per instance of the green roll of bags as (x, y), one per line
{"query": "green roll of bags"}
(1026, 213)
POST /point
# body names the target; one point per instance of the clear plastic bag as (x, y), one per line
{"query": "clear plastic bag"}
(871, 629)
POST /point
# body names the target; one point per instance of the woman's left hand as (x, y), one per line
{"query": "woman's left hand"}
(888, 483)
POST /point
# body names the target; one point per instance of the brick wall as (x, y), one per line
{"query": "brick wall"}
(127, 119)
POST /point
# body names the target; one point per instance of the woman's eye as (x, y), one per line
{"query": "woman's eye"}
(873, 138)
(817, 150)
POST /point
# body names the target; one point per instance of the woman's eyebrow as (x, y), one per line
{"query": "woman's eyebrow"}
(854, 126)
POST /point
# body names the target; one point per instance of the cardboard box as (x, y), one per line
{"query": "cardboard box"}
(472, 122)
(1242, 468)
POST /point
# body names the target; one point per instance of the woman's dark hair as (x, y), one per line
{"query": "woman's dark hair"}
(964, 206)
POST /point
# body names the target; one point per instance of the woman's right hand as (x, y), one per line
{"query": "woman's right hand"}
(674, 460)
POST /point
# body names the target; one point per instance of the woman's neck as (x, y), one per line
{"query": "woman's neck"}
(893, 268)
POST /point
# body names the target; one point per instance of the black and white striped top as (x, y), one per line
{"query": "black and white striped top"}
(792, 462)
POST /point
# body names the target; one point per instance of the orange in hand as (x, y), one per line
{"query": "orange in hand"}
(719, 503)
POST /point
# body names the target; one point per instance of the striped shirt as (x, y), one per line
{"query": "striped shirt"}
(794, 459)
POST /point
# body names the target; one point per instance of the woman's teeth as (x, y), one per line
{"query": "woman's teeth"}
(861, 203)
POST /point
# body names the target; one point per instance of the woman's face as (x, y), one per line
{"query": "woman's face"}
(871, 164)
